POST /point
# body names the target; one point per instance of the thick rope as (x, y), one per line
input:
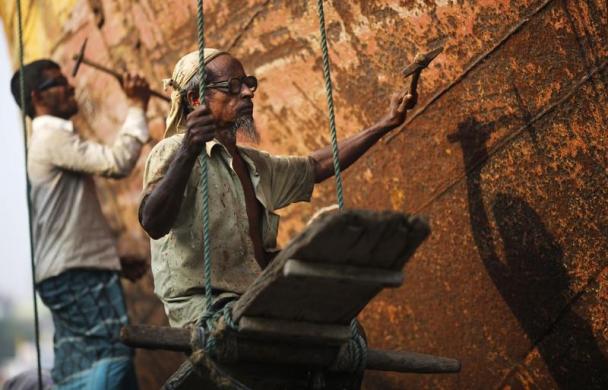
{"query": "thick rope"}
(357, 347)
(204, 163)
(330, 105)
(27, 194)
(210, 317)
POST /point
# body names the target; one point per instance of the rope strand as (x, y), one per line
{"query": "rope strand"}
(27, 194)
(204, 161)
(330, 105)
(357, 346)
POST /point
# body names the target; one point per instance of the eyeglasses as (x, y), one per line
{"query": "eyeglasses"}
(50, 83)
(233, 86)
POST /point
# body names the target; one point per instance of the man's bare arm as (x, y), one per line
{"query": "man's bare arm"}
(353, 147)
(160, 208)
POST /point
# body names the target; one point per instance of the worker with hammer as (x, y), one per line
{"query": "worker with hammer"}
(246, 185)
(77, 263)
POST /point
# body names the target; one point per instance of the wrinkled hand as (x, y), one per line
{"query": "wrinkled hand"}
(201, 127)
(137, 89)
(133, 268)
(397, 112)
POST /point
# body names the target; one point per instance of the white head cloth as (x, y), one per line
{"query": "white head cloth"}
(184, 70)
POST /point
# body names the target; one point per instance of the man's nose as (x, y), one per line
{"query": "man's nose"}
(246, 91)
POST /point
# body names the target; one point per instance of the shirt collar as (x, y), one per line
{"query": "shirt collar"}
(214, 144)
(43, 122)
(209, 146)
(253, 170)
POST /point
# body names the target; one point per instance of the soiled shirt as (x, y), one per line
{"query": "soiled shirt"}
(69, 229)
(177, 257)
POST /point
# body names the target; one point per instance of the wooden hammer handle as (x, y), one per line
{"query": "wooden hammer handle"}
(118, 77)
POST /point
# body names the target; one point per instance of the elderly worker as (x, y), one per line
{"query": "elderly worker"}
(246, 185)
(77, 264)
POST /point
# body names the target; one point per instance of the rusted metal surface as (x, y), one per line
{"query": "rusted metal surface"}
(508, 158)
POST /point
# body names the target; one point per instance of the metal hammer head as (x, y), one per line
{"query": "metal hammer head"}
(78, 57)
(421, 61)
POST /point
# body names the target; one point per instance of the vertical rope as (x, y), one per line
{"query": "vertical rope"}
(357, 344)
(203, 159)
(27, 194)
(330, 105)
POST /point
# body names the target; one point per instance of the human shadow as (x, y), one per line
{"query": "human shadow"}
(529, 273)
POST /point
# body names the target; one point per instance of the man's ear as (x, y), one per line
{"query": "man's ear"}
(36, 98)
(192, 98)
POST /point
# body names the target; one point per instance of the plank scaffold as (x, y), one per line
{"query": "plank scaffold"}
(298, 311)
(178, 339)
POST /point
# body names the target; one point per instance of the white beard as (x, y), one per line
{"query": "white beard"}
(245, 125)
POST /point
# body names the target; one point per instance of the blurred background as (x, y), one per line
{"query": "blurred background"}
(17, 347)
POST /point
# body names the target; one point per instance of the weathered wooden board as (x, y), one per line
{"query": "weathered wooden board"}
(334, 268)
(296, 332)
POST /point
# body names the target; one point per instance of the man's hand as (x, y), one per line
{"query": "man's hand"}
(201, 128)
(159, 210)
(397, 112)
(133, 268)
(353, 147)
(137, 90)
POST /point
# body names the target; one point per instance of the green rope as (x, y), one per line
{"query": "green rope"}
(27, 187)
(204, 163)
(357, 347)
(210, 316)
(330, 105)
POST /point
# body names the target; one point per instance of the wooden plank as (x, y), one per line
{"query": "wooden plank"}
(284, 353)
(342, 274)
(155, 337)
(329, 238)
(410, 362)
(309, 300)
(294, 331)
(361, 252)
(273, 295)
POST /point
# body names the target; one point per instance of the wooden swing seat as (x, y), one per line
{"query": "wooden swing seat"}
(298, 311)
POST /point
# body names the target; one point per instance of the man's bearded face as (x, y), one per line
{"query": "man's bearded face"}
(58, 99)
(231, 110)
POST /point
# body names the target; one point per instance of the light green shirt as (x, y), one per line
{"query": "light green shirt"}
(177, 258)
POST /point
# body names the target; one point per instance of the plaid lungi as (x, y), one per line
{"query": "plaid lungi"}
(88, 311)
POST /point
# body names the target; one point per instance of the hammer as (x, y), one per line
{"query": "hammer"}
(80, 59)
(421, 61)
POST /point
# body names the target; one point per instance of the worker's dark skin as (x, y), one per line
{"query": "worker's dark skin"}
(213, 120)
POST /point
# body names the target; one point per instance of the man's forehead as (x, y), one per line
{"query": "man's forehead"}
(226, 65)
(52, 72)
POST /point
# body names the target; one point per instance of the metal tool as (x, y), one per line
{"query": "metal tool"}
(421, 61)
(79, 58)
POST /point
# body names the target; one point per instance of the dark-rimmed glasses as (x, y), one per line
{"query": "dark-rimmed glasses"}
(233, 86)
(54, 82)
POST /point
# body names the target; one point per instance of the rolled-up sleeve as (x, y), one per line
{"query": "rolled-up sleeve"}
(156, 167)
(291, 180)
(69, 151)
(158, 162)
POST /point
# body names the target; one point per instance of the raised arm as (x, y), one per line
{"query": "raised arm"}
(353, 147)
(160, 206)
(69, 151)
